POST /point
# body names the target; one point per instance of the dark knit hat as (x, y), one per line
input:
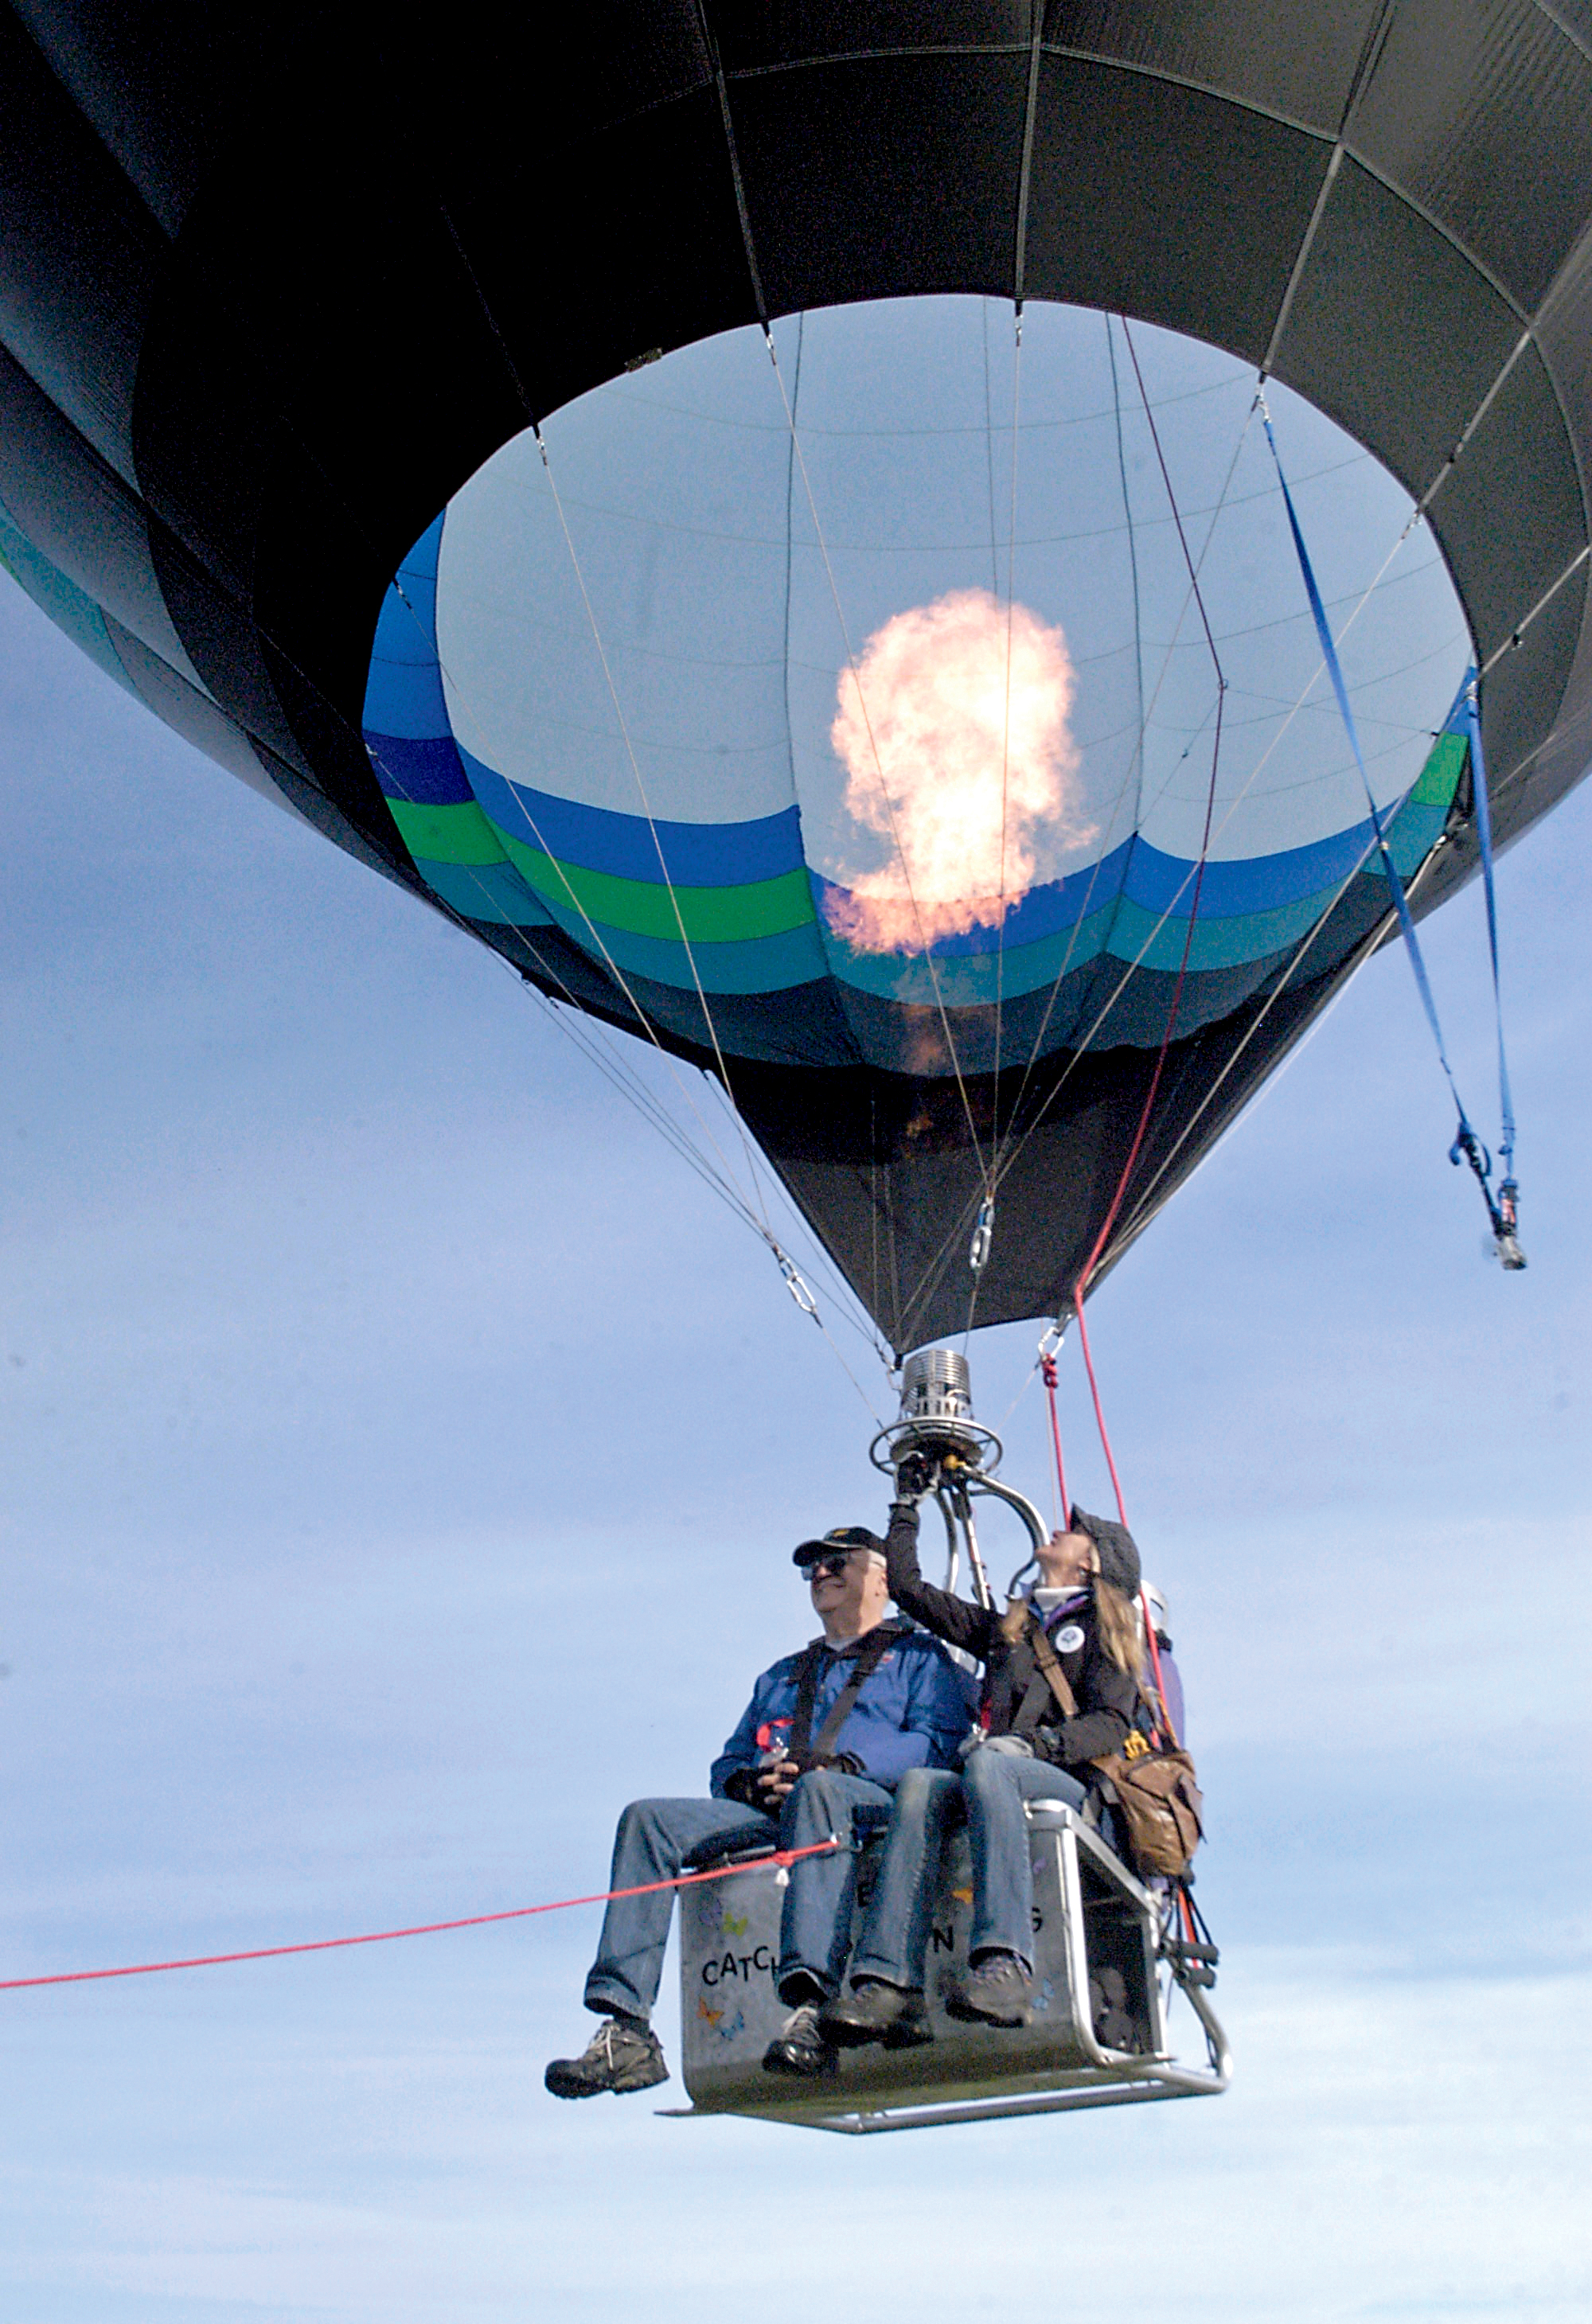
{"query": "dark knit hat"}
(1118, 1551)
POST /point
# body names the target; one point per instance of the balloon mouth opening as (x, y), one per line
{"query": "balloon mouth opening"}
(855, 758)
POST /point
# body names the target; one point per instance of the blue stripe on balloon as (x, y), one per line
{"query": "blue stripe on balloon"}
(404, 697)
(1160, 883)
(427, 772)
(418, 573)
(598, 839)
(1250, 883)
(404, 691)
(413, 597)
(1045, 910)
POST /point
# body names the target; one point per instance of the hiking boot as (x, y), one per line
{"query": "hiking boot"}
(621, 2055)
(995, 1991)
(801, 2048)
(875, 2011)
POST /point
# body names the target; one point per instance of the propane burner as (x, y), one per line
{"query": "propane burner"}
(936, 1415)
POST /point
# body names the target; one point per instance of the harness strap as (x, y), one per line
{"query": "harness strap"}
(1018, 1622)
(869, 1655)
(1029, 1711)
(1049, 1666)
(1051, 1674)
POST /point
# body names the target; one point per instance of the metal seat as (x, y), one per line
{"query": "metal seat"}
(1102, 1959)
(1091, 1915)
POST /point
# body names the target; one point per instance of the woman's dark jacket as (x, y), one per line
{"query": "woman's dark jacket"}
(1016, 1696)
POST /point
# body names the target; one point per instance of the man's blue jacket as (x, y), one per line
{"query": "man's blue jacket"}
(913, 1711)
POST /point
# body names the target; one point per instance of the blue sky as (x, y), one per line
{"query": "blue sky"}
(402, 1454)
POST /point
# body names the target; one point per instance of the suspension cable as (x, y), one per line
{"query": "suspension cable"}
(1017, 1139)
(1136, 1217)
(624, 1081)
(978, 1249)
(1136, 762)
(1020, 1139)
(1146, 1611)
(642, 789)
(614, 969)
(760, 1225)
(889, 807)
(1006, 733)
(1080, 1288)
(994, 550)
(614, 1070)
(754, 274)
(531, 416)
(1377, 843)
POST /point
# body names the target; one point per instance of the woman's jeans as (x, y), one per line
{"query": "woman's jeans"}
(990, 1791)
(656, 1837)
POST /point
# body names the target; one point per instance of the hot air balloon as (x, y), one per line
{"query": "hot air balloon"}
(591, 472)
(955, 569)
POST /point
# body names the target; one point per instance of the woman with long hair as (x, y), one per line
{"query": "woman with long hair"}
(1082, 1607)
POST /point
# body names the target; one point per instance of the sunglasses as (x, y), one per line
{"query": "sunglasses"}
(834, 1565)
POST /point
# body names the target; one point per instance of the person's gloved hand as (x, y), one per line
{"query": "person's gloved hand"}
(916, 1477)
(745, 1788)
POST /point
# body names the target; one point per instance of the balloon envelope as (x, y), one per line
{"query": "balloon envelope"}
(849, 727)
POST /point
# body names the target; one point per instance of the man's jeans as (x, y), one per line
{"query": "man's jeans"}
(990, 1793)
(656, 1837)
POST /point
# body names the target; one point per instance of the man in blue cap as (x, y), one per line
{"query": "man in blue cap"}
(818, 1752)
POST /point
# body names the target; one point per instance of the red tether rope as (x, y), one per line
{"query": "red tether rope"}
(1155, 1663)
(1048, 1374)
(780, 1857)
(1122, 1507)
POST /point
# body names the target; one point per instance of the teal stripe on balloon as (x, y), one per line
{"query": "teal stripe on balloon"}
(492, 892)
(748, 966)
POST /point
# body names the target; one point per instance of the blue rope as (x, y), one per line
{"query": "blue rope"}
(1484, 832)
(1467, 1146)
(1334, 668)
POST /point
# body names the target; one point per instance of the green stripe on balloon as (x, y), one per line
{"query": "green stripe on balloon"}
(766, 907)
(455, 834)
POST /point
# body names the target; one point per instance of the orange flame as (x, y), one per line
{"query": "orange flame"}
(932, 728)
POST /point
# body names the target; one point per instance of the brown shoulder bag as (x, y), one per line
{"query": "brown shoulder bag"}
(1152, 1785)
